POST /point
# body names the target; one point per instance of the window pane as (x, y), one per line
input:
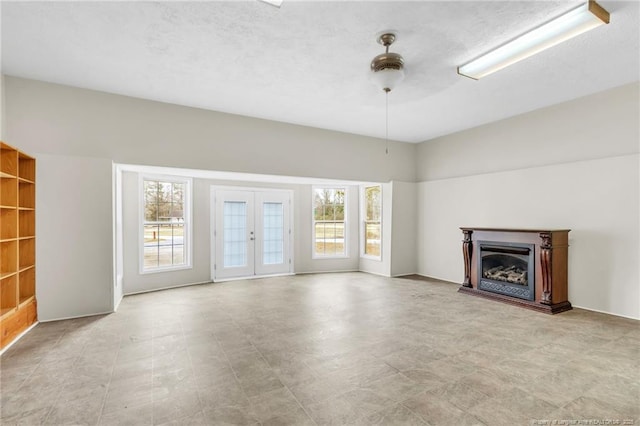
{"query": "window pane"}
(178, 193)
(150, 257)
(372, 203)
(372, 239)
(273, 228)
(164, 212)
(150, 201)
(329, 238)
(235, 233)
(178, 255)
(165, 255)
(151, 235)
(372, 228)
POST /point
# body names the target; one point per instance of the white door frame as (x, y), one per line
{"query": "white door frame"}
(214, 234)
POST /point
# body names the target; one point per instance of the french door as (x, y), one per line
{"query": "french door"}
(251, 233)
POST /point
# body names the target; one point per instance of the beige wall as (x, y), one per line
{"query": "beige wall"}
(574, 165)
(597, 126)
(53, 119)
(74, 241)
(403, 238)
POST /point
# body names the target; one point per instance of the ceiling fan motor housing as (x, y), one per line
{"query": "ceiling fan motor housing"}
(387, 67)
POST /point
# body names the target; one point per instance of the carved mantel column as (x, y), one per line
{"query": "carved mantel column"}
(545, 264)
(467, 250)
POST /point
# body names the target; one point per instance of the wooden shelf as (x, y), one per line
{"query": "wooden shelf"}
(8, 257)
(26, 253)
(8, 160)
(26, 223)
(27, 284)
(9, 220)
(26, 194)
(9, 192)
(8, 294)
(17, 243)
(26, 167)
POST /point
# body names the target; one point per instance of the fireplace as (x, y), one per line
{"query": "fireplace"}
(507, 268)
(524, 267)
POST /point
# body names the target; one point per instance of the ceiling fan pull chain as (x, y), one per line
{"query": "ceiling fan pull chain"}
(386, 98)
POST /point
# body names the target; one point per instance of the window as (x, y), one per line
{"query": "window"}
(165, 224)
(329, 222)
(372, 225)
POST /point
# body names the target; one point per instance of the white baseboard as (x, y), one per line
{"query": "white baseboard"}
(167, 288)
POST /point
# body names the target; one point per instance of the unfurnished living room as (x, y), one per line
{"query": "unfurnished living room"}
(286, 212)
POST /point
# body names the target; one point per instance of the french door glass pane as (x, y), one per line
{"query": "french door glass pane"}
(273, 230)
(235, 233)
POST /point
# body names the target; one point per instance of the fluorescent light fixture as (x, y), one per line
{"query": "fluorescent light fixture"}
(575, 22)
(276, 3)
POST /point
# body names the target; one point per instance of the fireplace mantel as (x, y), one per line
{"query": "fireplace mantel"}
(550, 250)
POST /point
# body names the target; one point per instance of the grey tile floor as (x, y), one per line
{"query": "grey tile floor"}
(323, 349)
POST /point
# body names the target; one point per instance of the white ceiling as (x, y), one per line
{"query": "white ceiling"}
(308, 62)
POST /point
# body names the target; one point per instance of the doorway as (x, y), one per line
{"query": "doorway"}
(251, 232)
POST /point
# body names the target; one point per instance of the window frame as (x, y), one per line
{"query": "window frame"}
(315, 255)
(187, 224)
(363, 221)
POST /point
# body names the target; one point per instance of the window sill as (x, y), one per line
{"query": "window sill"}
(166, 269)
(372, 258)
(329, 257)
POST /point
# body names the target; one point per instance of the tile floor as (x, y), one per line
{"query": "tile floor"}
(323, 349)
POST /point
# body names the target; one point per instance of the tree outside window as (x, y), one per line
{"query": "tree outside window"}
(164, 224)
(372, 221)
(329, 222)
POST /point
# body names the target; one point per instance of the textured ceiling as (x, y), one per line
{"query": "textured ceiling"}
(307, 62)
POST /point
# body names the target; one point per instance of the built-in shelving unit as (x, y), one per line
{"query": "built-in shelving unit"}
(17, 243)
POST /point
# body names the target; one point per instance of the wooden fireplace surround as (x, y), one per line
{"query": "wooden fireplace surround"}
(550, 257)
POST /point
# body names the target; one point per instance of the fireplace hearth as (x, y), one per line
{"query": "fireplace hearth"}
(518, 266)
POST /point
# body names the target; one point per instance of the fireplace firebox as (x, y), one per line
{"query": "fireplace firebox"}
(524, 267)
(507, 268)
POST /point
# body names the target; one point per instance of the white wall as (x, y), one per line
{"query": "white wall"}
(73, 236)
(403, 237)
(2, 107)
(467, 173)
